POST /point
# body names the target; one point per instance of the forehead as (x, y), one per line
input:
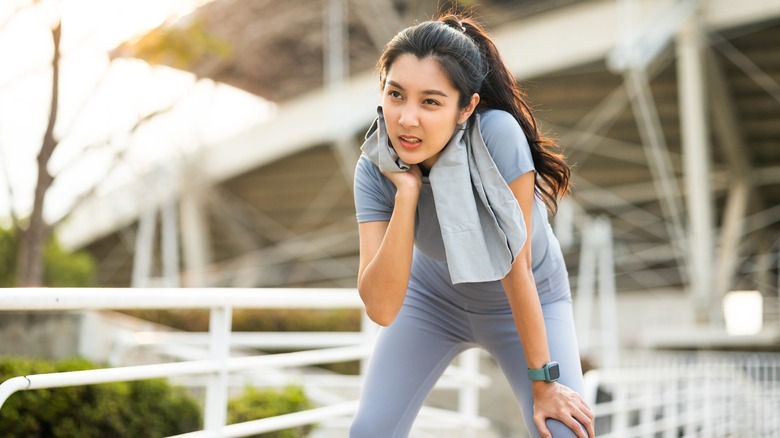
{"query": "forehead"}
(414, 73)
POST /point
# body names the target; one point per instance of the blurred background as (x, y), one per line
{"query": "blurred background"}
(198, 143)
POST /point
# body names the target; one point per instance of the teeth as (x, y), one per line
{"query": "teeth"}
(410, 140)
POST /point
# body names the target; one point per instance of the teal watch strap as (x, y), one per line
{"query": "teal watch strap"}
(550, 372)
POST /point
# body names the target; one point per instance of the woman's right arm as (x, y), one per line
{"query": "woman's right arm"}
(386, 251)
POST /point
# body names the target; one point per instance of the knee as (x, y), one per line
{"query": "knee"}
(560, 430)
(360, 428)
(363, 426)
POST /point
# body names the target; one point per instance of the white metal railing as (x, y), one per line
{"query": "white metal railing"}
(218, 367)
(688, 395)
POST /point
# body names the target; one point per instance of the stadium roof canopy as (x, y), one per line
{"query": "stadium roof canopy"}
(669, 110)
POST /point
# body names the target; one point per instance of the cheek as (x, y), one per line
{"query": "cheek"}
(390, 115)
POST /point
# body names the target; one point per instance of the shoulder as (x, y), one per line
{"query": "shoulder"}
(496, 119)
(365, 166)
(374, 193)
(506, 143)
(499, 122)
(366, 170)
(501, 130)
(368, 177)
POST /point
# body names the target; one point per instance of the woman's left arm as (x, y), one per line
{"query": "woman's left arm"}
(551, 400)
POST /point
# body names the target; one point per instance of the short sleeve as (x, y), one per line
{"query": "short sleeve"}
(506, 143)
(374, 193)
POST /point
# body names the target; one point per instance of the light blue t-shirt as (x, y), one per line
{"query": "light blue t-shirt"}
(508, 146)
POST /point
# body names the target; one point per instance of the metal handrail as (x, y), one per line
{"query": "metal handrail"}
(221, 302)
(694, 394)
(170, 298)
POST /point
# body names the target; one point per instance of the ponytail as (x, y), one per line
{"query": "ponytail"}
(471, 61)
(499, 90)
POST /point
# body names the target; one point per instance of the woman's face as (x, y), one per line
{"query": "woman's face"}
(420, 108)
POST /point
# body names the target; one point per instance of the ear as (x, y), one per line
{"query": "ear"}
(465, 113)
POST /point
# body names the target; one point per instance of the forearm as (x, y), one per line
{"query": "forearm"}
(527, 312)
(383, 282)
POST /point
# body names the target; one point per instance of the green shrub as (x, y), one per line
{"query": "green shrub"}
(258, 320)
(146, 408)
(64, 269)
(255, 404)
(60, 268)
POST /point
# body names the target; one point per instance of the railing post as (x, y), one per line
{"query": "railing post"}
(468, 400)
(220, 324)
(369, 329)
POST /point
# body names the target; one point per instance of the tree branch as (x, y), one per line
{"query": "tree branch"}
(118, 158)
(30, 262)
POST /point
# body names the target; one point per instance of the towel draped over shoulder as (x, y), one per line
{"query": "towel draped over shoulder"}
(481, 222)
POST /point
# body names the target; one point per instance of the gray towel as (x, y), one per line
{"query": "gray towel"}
(481, 222)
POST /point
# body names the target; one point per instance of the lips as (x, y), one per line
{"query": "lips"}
(409, 141)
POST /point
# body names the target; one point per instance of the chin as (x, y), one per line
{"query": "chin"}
(410, 160)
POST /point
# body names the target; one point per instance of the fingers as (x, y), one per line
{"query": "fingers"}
(583, 419)
(567, 408)
(541, 424)
(586, 418)
(575, 427)
(588, 421)
(574, 416)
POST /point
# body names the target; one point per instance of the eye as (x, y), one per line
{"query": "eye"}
(431, 102)
(394, 94)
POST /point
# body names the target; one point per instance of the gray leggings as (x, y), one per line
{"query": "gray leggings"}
(431, 329)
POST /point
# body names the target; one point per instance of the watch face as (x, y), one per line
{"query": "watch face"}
(555, 372)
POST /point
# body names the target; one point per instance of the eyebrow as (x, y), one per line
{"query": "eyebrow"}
(436, 92)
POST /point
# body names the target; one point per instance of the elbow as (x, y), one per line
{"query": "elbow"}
(523, 264)
(380, 318)
(382, 302)
(379, 314)
(376, 312)
(521, 269)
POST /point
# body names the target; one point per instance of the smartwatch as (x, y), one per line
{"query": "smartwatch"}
(550, 372)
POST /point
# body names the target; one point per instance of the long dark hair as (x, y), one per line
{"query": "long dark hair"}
(471, 61)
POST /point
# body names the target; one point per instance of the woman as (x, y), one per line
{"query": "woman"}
(439, 283)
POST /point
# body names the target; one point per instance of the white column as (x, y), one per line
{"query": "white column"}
(729, 132)
(196, 245)
(144, 247)
(336, 75)
(607, 293)
(696, 156)
(586, 291)
(170, 243)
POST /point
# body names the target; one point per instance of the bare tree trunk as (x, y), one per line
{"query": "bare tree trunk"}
(29, 267)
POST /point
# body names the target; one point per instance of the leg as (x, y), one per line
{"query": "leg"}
(410, 356)
(499, 336)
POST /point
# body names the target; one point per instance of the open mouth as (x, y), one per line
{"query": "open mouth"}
(409, 142)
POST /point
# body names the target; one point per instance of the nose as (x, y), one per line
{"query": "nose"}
(408, 117)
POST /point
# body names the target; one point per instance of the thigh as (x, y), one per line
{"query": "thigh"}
(409, 357)
(499, 336)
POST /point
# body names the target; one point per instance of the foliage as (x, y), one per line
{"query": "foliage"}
(9, 247)
(255, 404)
(180, 46)
(63, 269)
(125, 409)
(259, 320)
(60, 268)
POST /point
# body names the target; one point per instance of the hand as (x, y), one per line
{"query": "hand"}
(411, 180)
(553, 400)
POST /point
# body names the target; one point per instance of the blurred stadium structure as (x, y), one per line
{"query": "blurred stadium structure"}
(669, 110)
